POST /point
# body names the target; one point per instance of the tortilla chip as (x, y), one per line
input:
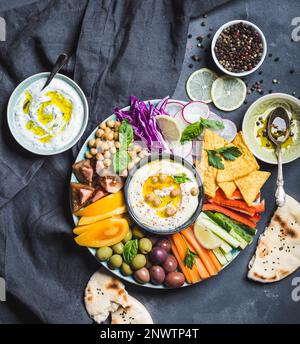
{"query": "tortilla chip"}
(228, 188)
(251, 184)
(213, 140)
(239, 167)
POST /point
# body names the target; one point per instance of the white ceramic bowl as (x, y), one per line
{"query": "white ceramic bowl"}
(216, 36)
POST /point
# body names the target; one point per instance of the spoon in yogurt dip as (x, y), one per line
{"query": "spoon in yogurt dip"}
(278, 132)
(60, 62)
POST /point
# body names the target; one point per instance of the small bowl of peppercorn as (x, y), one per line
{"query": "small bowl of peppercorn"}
(239, 48)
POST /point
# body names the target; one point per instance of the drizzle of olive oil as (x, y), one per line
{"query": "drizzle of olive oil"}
(150, 187)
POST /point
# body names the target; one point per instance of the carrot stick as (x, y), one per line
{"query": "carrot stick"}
(181, 246)
(214, 260)
(201, 251)
(183, 269)
(230, 213)
(200, 266)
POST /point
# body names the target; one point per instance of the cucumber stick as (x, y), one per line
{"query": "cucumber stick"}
(221, 258)
(228, 257)
(243, 243)
(217, 230)
(225, 247)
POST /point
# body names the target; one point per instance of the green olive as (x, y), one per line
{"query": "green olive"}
(118, 248)
(145, 245)
(138, 233)
(138, 262)
(128, 237)
(115, 261)
(126, 269)
(104, 253)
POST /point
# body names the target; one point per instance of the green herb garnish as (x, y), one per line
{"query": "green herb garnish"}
(194, 130)
(181, 178)
(228, 153)
(130, 250)
(121, 160)
(189, 259)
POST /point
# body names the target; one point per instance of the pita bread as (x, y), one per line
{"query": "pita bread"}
(103, 295)
(278, 251)
(134, 314)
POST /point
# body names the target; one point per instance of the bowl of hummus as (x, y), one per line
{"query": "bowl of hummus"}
(50, 121)
(164, 193)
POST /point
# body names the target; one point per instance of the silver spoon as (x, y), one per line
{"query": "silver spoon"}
(60, 62)
(278, 132)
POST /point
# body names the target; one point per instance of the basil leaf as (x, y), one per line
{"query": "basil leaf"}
(121, 160)
(130, 250)
(212, 124)
(191, 132)
(189, 259)
(181, 178)
(230, 153)
(125, 134)
(214, 160)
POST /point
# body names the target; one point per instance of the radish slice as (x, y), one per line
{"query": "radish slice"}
(197, 149)
(184, 150)
(181, 122)
(230, 130)
(172, 108)
(215, 117)
(194, 110)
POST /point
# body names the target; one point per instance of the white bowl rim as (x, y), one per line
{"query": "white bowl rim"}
(216, 36)
(248, 113)
(83, 127)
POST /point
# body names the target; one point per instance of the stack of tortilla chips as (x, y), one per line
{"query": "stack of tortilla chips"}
(242, 173)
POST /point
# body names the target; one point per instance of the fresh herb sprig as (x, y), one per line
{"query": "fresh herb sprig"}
(228, 153)
(130, 250)
(194, 130)
(122, 158)
(189, 259)
(181, 178)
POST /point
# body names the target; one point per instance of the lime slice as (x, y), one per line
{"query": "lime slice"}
(169, 127)
(199, 84)
(228, 93)
(206, 238)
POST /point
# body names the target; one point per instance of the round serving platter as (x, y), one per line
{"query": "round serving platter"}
(81, 156)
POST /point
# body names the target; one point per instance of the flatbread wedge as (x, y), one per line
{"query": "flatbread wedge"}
(278, 252)
(136, 313)
(251, 184)
(103, 295)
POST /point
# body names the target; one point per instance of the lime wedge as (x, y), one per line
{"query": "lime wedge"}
(206, 238)
(228, 93)
(199, 84)
(170, 128)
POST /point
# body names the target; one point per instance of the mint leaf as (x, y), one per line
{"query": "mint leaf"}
(130, 250)
(214, 160)
(212, 124)
(121, 160)
(125, 134)
(189, 259)
(191, 132)
(181, 178)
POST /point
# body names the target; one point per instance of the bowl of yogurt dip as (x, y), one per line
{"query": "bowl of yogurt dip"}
(50, 121)
(164, 193)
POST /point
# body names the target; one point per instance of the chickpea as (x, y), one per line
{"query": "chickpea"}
(132, 154)
(143, 154)
(107, 162)
(156, 202)
(102, 125)
(174, 193)
(99, 156)
(162, 177)
(116, 136)
(88, 155)
(93, 151)
(118, 145)
(130, 165)
(92, 143)
(111, 144)
(194, 191)
(107, 154)
(97, 142)
(154, 179)
(105, 146)
(99, 132)
(109, 136)
(149, 198)
(170, 210)
(113, 150)
(110, 123)
(117, 124)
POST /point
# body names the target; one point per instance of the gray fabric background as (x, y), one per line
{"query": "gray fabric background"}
(45, 271)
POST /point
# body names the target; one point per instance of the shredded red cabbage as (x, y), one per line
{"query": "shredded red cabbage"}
(142, 118)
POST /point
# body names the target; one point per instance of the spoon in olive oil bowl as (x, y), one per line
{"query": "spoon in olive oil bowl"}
(278, 132)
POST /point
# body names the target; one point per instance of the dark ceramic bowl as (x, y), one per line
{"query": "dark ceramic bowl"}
(162, 156)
